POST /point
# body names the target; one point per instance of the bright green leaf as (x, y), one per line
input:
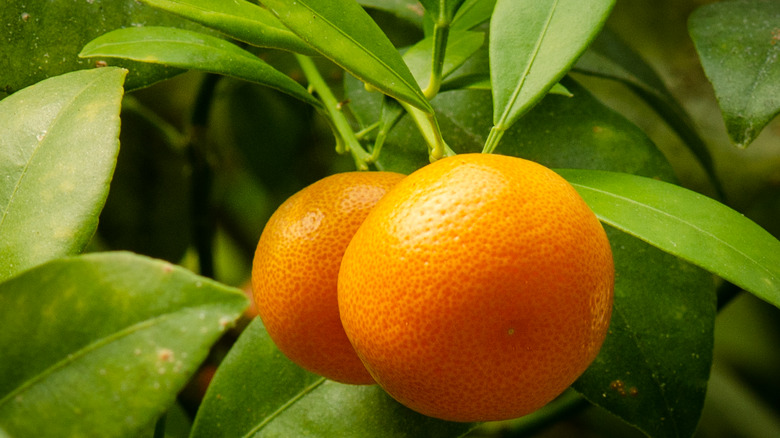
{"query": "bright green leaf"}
(58, 149)
(653, 368)
(460, 46)
(472, 13)
(192, 50)
(99, 345)
(739, 46)
(443, 9)
(343, 32)
(258, 392)
(407, 10)
(239, 19)
(532, 45)
(688, 225)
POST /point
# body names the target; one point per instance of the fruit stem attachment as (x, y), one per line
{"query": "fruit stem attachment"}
(429, 128)
(493, 139)
(345, 136)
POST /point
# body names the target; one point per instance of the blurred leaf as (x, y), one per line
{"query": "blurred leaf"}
(442, 9)
(195, 51)
(238, 19)
(653, 368)
(408, 10)
(460, 46)
(343, 32)
(472, 13)
(42, 38)
(610, 57)
(148, 208)
(58, 150)
(688, 225)
(739, 46)
(527, 60)
(99, 345)
(258, 392)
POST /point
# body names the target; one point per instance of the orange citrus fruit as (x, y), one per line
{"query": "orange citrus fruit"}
(479, 288)
(295, 271)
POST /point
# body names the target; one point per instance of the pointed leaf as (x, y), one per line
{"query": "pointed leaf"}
(343, 32)
(238, 19)
(532, 45)
(688, 225)
(653, 368)
(258, 392)
(739, 46)
(104, 330)
(195, 51)
(58, 149)
(472, 13)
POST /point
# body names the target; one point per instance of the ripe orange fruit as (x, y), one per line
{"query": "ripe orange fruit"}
(295, 271)
(479, 288)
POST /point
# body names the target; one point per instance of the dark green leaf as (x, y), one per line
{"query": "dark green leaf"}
(532, 45)
(343, 32)
(99, 345)
(739, 46)
(192, 50)
(653, 368)
(238, 19)
(688, 225)
(610, 57)
(258, 392)
(58, 149)
(41, 38)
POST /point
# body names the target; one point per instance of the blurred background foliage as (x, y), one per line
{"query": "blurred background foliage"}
(261, 146)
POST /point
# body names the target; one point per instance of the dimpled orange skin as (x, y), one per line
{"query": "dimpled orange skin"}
(295, 271)
(479, 288)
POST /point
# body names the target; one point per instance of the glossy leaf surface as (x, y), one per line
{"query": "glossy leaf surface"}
(532, 45)
(739, 46)
(688, 225)
(192, 50)
(285, 400)
(343, 32)
(239, 19)
(58, 150)
(104, 330)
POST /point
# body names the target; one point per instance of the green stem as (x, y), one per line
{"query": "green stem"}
(441, 32)
(429, 128)
(333, 112)
(496, 132)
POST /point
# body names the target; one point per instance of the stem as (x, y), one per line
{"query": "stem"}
(496, 132)
(203, 223)
(334, 113)
(441, 32)
(170, 134)
(429, 128)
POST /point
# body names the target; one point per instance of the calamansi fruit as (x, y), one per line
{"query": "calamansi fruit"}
(295, 271)
(478, 288)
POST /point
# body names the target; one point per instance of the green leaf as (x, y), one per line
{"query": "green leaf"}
(238, 19)
(99, 345)
(653, 368)
(687, 225)
(42, 38)
(532, 45)
(343, 32)
(739, 46)
(193, 50)
(443, 10)
(258, 392)
(460, 46)
(407, 10)
(472, 13)
(610, 57)
(58, 149)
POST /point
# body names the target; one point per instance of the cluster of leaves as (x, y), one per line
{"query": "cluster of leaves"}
(102, 343)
